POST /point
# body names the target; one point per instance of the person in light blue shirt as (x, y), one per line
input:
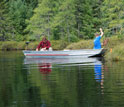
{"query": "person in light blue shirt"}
(97, 43)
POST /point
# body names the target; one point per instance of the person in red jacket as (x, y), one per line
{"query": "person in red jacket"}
(44, 45)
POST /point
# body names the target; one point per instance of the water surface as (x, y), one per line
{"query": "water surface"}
(60, 82)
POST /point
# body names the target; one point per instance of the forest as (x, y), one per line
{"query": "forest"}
(67, 20)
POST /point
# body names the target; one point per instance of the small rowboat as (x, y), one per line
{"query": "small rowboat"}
(64, 53)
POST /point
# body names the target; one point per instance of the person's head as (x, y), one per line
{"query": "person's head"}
(44, 39)
(96, 34)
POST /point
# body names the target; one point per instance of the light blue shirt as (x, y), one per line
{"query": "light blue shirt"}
(97, 44)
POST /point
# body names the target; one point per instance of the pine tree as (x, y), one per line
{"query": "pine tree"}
(40, 23)
(19, 12)
(4, 22)
(113, 17)
(86, 18)
(64, 20)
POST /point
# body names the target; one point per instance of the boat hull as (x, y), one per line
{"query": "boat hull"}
(67, 53)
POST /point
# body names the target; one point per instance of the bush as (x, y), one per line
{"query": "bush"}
(59, 44)
(32, 45)
(116, 54)
(9, 45)
(72, 38)
(83, 44)
(116, 45)
(21, 45)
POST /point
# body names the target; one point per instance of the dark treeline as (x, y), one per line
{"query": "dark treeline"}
(68, 20)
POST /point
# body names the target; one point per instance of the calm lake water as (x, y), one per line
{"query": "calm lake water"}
(60, 82)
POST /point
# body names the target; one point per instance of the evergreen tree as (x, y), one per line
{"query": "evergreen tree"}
(39, 24)
(4, 22)
(86, 17)
(113, 17)
(17, 15)
(31, 5)
(19, 11)
(64, 20)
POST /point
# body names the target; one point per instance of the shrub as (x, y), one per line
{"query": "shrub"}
(72, 38)
(9, 45)
(59, 44)
(83, 44)
(32, 45)
(116, 54)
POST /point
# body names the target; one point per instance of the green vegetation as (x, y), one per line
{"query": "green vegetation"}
(83, 44)
(63, 21)
(14, 45)
(115, 49)
(69, 20)
(115, 46)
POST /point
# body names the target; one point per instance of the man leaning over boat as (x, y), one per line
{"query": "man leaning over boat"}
(44, 45)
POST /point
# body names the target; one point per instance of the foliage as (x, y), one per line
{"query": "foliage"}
(59, 44)
(4, 21)
(117, 53)
(112, 17)
(83, 44)
(68, 20)
(14, 13)
(14, 45)
(40, 22)
(64, 20)
(115, 49)
(86, 18)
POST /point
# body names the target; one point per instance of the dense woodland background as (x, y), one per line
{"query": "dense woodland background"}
(68, 20)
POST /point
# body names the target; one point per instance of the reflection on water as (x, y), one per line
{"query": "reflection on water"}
(70, 82)
(45, 68)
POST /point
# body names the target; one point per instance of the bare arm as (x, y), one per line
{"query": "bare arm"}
(101, 32)
(39, 46)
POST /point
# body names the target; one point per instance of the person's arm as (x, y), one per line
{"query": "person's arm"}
(49, 45)
(101, 31)
(38, 47)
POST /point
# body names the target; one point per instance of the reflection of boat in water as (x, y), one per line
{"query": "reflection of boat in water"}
(66, 53)
(78, 60)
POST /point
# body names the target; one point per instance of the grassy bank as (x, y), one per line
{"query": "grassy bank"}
(14, 45)
(56, 45)
(115, 49)
(82, 44)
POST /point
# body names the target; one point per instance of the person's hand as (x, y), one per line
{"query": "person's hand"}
(36, 49)
(44, 48)
(100, 29)
(101, 32)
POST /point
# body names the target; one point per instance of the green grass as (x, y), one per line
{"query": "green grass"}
(117, 53)
(115, 49)
(83, 44)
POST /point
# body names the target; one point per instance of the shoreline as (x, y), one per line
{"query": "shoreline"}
(115, 47)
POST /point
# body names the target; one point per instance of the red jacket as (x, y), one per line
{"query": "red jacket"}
(42, 44)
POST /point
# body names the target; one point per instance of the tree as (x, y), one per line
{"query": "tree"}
(113, 17)
(87, 17)
(4, 22)
(64, 21)
(40, 22)
(19, 11)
